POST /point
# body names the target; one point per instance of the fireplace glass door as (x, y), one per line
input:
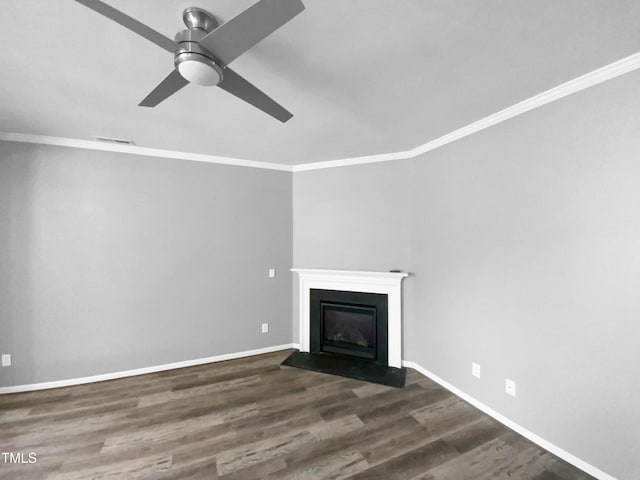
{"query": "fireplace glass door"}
(348, 329)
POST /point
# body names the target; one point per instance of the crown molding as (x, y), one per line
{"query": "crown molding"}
(608, 72)
(345, 162)
(135, 150)
(601, 75)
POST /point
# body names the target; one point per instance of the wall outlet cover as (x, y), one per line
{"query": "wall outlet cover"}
(475, 370)
(6, 360)
(272, 273)
(265, 327)
(510, 387)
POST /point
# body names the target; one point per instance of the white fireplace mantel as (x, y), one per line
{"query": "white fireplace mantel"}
(388, 283)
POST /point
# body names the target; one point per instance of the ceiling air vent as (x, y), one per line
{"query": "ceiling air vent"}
(119, 141)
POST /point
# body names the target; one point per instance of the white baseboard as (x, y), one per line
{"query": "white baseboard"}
(559, 452)
(142, 371)
(563, 454)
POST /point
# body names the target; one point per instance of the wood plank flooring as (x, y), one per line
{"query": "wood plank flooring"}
(253, 419)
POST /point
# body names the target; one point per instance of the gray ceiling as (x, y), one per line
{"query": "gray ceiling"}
(362, 77)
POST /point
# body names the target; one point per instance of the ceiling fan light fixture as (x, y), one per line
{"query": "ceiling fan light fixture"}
(198, 69)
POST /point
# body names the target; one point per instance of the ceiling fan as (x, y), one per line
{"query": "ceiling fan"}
(203, 52)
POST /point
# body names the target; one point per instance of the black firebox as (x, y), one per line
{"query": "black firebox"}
(353, 324)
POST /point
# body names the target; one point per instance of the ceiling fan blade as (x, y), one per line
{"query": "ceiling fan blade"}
(233, 38)
(238, 86)
(167, 87)
(130, 23)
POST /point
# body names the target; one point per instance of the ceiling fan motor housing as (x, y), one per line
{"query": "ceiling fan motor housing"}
(193, 62)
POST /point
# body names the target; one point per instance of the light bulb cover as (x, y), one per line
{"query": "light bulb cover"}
(198, 69)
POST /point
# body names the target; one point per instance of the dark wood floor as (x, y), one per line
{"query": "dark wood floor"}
(253, 419)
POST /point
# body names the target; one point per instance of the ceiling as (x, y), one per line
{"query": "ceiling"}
(362, 77)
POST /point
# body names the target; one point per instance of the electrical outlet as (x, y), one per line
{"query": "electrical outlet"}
(475, 370)
(6, 360)
(265, 328)
(510, 387)
(272, 273)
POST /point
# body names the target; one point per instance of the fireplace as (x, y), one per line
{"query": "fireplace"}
(349, 323)
(387, 284)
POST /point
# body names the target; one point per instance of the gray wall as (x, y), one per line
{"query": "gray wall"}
(111, 262)
(524, 242)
